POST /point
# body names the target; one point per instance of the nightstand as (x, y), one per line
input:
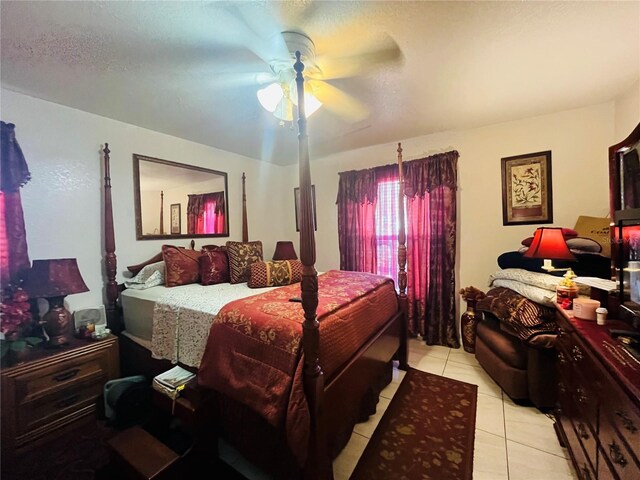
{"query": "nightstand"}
(53, 389)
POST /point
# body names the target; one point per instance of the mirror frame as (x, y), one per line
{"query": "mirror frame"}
(138, 205)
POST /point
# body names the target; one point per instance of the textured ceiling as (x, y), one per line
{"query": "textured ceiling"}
(189, 68)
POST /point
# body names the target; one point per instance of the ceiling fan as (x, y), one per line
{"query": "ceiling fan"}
(261, 34)
(280, 96)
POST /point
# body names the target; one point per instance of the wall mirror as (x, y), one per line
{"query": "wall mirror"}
(175, 200)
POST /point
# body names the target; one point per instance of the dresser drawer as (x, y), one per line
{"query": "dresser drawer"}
(58, 377)
(582, 464)
(52, 408)
(622, 416)
(583, 430)
(52, 390)
(617, 451)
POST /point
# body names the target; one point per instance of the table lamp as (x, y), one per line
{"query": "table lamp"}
(55, 279)
(284, 251)
(549, 244)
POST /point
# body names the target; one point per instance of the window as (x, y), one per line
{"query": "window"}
(387, 228)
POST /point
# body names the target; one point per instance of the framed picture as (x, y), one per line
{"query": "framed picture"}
(296, 198)
(526, 189)
(175, 218)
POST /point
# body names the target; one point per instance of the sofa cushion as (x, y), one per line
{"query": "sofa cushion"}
(509, 348)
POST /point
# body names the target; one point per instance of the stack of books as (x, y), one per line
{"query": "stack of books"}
(173, 381)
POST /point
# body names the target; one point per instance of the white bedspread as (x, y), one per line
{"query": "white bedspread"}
(182, 318)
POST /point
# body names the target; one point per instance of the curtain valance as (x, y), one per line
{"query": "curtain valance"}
(421, 176)
(15, 172)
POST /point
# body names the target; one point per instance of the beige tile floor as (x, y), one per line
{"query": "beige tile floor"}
(512, 442)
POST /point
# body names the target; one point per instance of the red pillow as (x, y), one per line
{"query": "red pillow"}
(214, 266)
(181, 265)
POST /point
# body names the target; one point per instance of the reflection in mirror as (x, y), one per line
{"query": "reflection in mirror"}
(175, 200)
(630, 177)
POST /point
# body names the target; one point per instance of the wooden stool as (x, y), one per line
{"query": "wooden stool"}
(143, 456)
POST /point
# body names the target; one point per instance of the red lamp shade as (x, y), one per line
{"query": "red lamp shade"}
(285, 251)
(549, 243)
(55, 279)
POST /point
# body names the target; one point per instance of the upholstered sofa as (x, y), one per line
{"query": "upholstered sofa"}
(524, 369)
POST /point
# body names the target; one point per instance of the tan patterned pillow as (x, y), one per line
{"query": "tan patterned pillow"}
(241, 257)
(181, 265)
(275, 273)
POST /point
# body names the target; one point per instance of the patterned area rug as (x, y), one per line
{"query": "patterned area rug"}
(427, 432)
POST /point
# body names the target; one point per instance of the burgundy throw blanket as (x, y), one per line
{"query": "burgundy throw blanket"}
(253, 352)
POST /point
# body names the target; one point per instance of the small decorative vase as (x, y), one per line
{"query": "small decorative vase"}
(468, 323)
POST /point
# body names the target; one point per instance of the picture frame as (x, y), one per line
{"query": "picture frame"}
(527, 189)
(296, 199)
(175, 219)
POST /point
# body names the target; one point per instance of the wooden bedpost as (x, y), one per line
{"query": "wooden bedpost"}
(402, 262)
(161, 212)
(318, 465)
(110, 248)
(245, 227)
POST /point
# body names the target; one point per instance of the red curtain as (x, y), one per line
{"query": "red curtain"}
(14, 257)
(206, 213)
(357, 194)
(367, 207)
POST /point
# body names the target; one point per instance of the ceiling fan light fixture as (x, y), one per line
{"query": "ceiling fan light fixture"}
(279, 100)
(311, 103)
(270, 96)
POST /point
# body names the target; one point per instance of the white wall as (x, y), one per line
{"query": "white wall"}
(578, 139)
(63, 201)
(63, 210)
(627, 112)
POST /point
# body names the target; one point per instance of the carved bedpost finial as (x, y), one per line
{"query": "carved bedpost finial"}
(402, 247)
(402, 263)
(110, 248)
(245, 227)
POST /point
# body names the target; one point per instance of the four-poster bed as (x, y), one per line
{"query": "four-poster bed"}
(335, 400)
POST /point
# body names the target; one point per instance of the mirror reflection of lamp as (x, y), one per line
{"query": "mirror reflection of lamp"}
(55, 279)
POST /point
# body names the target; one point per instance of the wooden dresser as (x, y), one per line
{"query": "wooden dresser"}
(598, 411)
(53, 389)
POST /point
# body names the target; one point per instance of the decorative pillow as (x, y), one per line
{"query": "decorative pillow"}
(135, 269)
(241, 257)
(275, 273)
(148, 276)
(511, 307)
(584, 244)
(214, 266)
(181, 265)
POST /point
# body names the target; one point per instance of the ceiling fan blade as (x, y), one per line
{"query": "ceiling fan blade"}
(254, 28)
(232, 80)
(366, 59)
(338, 101)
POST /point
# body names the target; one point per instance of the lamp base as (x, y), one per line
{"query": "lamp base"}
(57, 322)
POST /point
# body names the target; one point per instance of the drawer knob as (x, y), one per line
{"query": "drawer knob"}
(582, 431)
(616, 455)
(561, 358)
(61, 377)
(562, 387)
(626, 421)
(582, 395)
(577, 353)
